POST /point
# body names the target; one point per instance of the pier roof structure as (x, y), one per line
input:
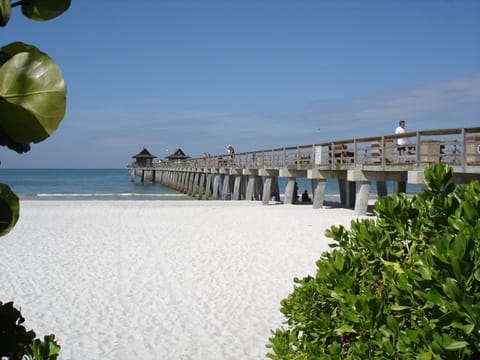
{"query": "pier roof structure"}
(144, 158)
(178, 155)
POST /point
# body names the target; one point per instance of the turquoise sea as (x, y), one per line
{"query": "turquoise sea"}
(115, 184)
(82, 184)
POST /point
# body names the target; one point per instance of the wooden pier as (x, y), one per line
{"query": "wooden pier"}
(355, 163)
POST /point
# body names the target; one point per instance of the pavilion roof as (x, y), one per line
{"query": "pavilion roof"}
(144, 154)
(178, 154)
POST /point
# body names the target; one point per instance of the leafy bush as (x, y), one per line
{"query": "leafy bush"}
(405, 285)
(16, 342)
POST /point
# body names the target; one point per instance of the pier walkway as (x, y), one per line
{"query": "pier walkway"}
(355, 163)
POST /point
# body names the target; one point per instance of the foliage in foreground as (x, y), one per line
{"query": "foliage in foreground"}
(16, 342)
(32, 105)
(405, 285)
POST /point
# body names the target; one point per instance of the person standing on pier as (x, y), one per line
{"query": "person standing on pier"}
(230, 152)
(401, 142)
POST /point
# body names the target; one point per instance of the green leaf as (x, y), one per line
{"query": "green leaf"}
(460, 246)
(336, 296)
(423, 269)
(455, 345)
(5, 11)
(345, 329)
(425, 356)
(403, 283)
(433, 297)
(476, 274)
(466, 328)
(44, 10)
(395, 265)
(339, 261)
(9, 209)
(32, 94)
(448, 343)
(451, 289)
(460, 269)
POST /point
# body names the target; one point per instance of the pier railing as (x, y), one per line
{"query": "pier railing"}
(459, 147)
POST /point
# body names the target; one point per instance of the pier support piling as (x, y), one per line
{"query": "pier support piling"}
(208, 187)
(290, 191)
(254, 184)
(237, 174)
(216, 186)
(225, 187)
(381, 188)
(319, 186)
(347, 192)
(270, 185)
(361, 203)
(400, 186)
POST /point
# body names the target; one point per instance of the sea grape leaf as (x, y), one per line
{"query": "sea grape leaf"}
(9, 209)
(41, 10)
(13, 145)
(5, 11)
(32, 94)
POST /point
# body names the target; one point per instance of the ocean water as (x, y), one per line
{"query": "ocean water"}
(115, 184)
(82, 184)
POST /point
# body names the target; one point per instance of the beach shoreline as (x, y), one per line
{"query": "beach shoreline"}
(160, 279)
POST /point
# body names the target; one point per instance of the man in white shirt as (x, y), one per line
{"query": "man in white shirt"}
(401, 142)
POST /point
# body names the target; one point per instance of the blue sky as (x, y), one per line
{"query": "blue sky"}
(201, 74)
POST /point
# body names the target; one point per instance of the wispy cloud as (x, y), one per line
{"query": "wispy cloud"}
(438, 104)
(423, 100)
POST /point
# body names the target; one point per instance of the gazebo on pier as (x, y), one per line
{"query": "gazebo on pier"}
(144, 158)
(177, 155)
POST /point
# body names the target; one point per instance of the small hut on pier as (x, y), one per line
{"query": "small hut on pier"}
(177, 155)
(143, 158)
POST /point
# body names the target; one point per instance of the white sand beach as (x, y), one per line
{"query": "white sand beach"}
(118, 280)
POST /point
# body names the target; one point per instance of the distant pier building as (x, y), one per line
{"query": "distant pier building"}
(143, 159)
(177, 155)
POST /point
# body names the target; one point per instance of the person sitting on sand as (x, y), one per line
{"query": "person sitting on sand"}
(305, 197)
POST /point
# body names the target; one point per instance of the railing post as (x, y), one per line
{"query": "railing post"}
(464, 149)
(314, 157)
(382, 152)
(298, 163)
(331, 155)
(417, 150)
(355, 148)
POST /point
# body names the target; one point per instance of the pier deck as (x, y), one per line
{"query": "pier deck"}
(253, 175)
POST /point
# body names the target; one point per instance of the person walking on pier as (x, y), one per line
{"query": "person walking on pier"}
(401, 142)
